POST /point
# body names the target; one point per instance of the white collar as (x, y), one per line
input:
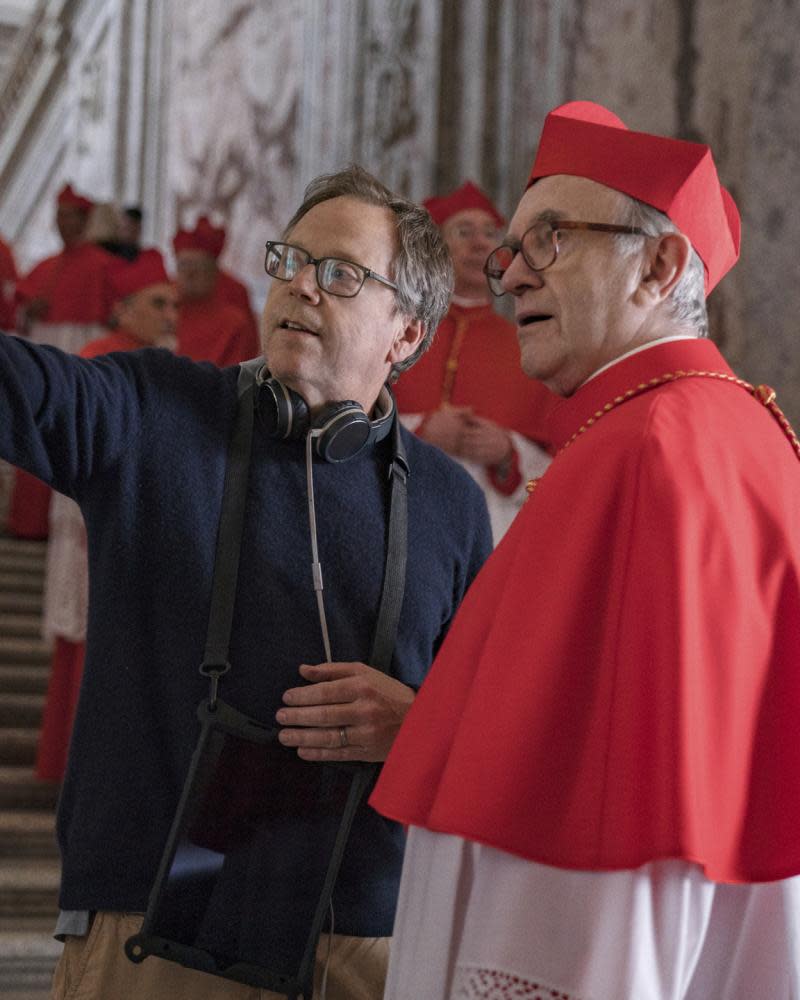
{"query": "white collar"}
(637, 350)
(459, 300)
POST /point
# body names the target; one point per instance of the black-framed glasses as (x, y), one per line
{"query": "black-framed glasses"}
(539, 247)
(344, 278)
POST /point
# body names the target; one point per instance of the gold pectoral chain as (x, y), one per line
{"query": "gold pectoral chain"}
(763, 393)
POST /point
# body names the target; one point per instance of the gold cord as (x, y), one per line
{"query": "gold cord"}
(763, 393)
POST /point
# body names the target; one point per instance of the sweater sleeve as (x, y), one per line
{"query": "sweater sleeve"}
(64, 418)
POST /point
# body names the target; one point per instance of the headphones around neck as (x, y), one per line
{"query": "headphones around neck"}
(341, 430)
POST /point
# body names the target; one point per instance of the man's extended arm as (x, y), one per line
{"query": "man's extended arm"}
(62, 417)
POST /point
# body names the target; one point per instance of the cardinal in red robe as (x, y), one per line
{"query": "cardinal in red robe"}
(215, 322)
(467, 393)
(64, 301)
(602, 771)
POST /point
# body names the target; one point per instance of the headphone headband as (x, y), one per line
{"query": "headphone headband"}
(341, 430)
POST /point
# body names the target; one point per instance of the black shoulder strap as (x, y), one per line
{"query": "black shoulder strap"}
(394, 575)
(226, 560)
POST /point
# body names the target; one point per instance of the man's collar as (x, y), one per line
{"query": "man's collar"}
(637, 350)
(460, 300)
(627, 373)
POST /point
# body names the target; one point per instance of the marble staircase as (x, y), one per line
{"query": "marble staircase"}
(29, 867)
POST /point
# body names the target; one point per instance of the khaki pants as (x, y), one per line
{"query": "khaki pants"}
(96, 968)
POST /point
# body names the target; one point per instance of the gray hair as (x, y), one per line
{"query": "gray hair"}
(688, 299)
(421, 268)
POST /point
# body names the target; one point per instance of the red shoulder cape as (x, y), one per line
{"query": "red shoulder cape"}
(114, 340)
(621, 682)
(76, 283)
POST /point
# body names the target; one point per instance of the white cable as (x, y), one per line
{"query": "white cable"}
(316, 573)
(316, 566)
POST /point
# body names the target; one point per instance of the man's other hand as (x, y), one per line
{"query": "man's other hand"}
(348, 711)
(444, 428)
(36, 309)
(485, 442)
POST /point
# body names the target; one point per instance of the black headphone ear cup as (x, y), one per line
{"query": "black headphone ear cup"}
(341, 430)
(283, 412)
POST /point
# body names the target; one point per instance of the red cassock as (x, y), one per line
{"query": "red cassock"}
(209, 330)
(621, 683)
(8, 281)
(233, 292)
(117, 340)
(66, 670)
(474, 361)
(76, 285)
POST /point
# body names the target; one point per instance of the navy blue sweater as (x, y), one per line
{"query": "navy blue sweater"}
(139, 440)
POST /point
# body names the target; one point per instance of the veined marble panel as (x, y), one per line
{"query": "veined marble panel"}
(66, 123)
(29, 199)
(235, 94)
(725, 74)
(624, 55)
(396, 105)
(767, 152)
(266, 95)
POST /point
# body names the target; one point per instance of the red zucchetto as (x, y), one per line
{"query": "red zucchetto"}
(584, 139)
(213, 236)
(130, 278)
(205, 236)
(67, 196)
(469, 195)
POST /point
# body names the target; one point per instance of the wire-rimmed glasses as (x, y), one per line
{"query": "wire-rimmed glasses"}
(539, 247)
(339, 277)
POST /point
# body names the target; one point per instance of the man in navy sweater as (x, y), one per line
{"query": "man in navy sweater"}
(360, 282)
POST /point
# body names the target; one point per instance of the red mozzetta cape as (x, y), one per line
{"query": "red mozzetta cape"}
(621, 682)
(233, 292)
(209, 330)
(76, 284)
(117, 340)
(483, 353)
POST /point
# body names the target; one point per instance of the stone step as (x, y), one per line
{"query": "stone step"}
(18, 650)
(27, 960)
(29, 888)
(26, 583)
(21, 603)
(18, 746)
(28, 835)
(21, 711)
(29, 862)
(27, 925)
(31, 679)
(21, 546)
(20, 789)
(20, 562)
(18, 624)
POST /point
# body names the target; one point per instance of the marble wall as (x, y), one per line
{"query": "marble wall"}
(727, 74)
(82, 101)
(267, 94)
(231, 108)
